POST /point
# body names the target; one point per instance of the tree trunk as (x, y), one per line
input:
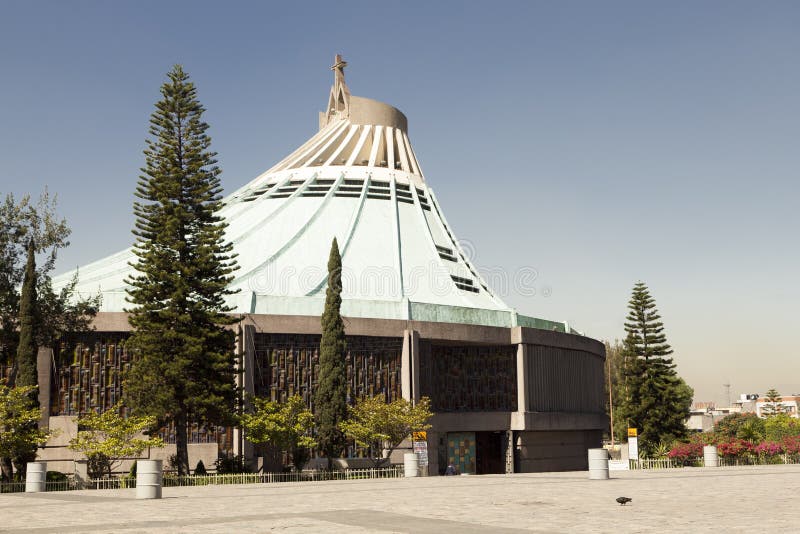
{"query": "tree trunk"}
(181, 445)
(7, 469)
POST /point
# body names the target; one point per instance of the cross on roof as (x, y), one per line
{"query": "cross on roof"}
(339, 64)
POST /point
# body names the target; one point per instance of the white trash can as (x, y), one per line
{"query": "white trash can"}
(148, 479)
(710, 458)
(598, 464)
(410, 465)
(36, 477)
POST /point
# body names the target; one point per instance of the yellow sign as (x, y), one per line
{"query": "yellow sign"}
(632, 433)
(419, 436)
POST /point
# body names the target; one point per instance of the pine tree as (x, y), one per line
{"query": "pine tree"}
(184, 368)
(27, 349)
(656, 399)
(330, 398)
(773, 405)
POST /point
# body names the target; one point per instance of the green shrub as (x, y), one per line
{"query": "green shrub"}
(200, 469)
(228, 463)
(56, 476)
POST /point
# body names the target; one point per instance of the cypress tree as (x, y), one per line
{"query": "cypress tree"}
(27, 349)
(27, 374)
(330, 398)
(657, 400)
(184, 367)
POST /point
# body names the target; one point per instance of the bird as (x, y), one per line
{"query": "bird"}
(623, 500)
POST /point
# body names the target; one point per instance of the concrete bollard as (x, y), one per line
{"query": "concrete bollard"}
(36, 477)
(410, 465)
(148, 479)
(710, 458)
(598, 464)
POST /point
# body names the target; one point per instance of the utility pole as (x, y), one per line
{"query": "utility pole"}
(610, 400)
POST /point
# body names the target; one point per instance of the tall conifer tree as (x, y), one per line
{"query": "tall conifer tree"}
(330, 398)
(184, 368)
(656, 399)
(26, 367)
(27, 349)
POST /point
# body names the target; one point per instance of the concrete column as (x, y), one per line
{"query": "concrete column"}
(409, 373)
(44, 366)
(245, 379)
(522, 376)
(508, 445)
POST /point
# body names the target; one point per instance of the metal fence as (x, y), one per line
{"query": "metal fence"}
(171, 480)
(778, 459)
(724, 461)
(655, 463)
(19, 487)
(269, 478)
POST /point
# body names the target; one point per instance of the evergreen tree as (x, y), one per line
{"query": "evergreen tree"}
(656, 399)
(27, 349)
(773, 405)
(184, 367)
(330, 398)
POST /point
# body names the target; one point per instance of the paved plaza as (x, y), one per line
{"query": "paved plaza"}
(745, 499)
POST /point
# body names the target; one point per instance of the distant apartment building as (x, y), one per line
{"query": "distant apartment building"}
(789, 404)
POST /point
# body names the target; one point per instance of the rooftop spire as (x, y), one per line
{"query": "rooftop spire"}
(338, 70)
(339, 100)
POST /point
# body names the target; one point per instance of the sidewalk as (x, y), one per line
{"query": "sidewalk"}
(743, 499)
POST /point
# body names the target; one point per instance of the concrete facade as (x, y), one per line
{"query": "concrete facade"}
(558, 406)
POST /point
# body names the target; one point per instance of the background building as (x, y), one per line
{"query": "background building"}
(510, 392)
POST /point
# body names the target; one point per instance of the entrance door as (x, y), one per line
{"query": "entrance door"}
(461, 451)
(490, 459)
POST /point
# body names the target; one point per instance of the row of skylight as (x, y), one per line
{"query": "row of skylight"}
(376, 189)
(449, 252)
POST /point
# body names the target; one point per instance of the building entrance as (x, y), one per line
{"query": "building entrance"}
(489, 453)
(476, 453)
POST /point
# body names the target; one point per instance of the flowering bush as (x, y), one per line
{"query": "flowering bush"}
(686, 451)
(768, 448)
(791, 445)
(736, 448)
(704, 438)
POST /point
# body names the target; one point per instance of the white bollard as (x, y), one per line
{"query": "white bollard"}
(410, 465)
(36, 477)
(148, 479)
(710, 458)
(598, 464)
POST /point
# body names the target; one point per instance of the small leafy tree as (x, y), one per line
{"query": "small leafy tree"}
(287, 426)
(379, 425)
(19, 418)
(730, 425)
(108, 437)
(780, 426)
(773, 405)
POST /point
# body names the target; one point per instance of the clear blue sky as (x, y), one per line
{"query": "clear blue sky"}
(600, 143)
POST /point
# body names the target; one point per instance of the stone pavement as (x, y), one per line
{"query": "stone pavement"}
(745, 499)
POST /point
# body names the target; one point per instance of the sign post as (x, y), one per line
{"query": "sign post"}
(633, 445)
(420, 443)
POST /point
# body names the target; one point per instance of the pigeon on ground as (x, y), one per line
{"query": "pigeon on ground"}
(624, 500)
